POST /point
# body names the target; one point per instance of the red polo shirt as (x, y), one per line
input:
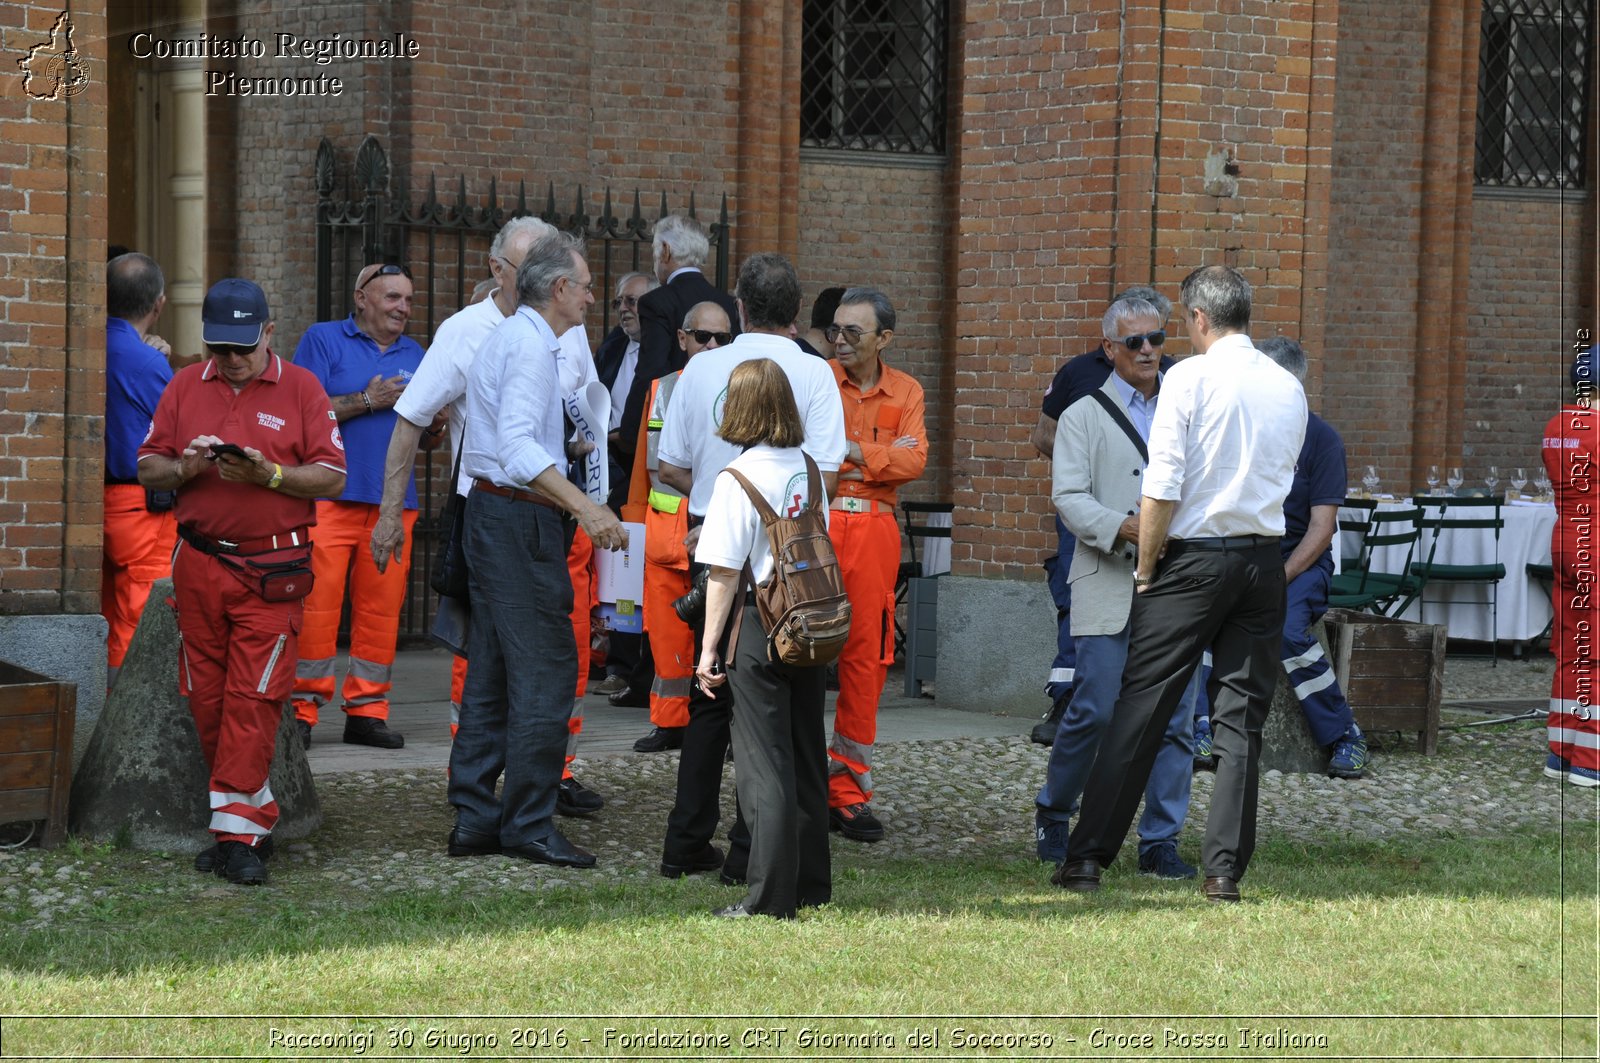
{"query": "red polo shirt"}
(284, 413)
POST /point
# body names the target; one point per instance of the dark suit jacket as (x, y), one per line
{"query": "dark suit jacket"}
(661, 314)
(608, 356)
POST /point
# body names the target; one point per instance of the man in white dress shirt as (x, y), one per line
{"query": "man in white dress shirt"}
(1222, 448)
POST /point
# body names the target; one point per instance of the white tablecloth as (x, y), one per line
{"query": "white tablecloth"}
(1524, 604)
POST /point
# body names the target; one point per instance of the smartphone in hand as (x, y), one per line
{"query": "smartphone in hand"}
(231, 449)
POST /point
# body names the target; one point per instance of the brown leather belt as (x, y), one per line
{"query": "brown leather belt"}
(282, 541)
(516, 494)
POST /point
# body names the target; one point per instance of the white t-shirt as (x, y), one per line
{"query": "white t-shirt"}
(689, 438)
(733, 532)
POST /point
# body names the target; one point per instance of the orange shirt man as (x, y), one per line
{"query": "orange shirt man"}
(883, 418)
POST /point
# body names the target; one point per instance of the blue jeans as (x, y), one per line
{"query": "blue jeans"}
(518, 693)
(1099, 681)
(1327, 713)
(1056, 569)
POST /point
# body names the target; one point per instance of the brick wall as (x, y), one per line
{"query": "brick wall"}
(52, 323)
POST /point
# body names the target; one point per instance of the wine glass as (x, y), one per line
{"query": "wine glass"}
(1454, 479)
(1369, 480)
(1492, 480)
(1541, 483)
(1433, 479)
(1519, 480)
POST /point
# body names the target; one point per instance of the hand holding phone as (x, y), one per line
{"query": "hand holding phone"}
(230, 449)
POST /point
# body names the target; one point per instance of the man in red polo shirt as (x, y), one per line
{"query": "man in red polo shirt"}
(247, 441)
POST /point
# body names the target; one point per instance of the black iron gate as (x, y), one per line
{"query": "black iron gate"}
(361, 220)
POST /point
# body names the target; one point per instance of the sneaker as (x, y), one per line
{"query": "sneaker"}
(611, 684)
(575, 799)
(856, 822)
(1349, 760)
(1204, 758)
(659, 740)
(371, 731)
(1050, 838)
(303, 730)
(1162, 861)
(241, 864)
(209, 861)
(1044, 732)
(1582, 776)
(1555, 767)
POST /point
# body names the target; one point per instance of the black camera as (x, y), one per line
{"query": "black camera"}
(691, 608)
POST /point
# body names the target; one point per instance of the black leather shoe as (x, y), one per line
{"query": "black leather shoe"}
(629, 698)
(575, 799)
(371, 731)
(709, 858)
(659, 740)
(1044, 732)
(471, 843)
(209, 861)
(551, 849)
(241, 864)
(733, 911)
(736, 877)
(856, 822)
(1219, 889)
(1083, 876)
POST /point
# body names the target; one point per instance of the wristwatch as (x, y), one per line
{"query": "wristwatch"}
(277, 477)
(1143, 581)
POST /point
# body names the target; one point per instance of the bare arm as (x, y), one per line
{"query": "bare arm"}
(678, 478)
(1319, 534)
(299, 481)
(388, 534)
(721, 586)
(1155, 518)
(379, 394)
(1043, 437)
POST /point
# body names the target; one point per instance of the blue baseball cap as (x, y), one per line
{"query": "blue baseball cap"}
(1584, 367)
(234, 314)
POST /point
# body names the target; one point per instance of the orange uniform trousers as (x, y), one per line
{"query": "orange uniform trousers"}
(580, 567)
(666, 579)
(136, 551)
(235, 664)
(341, 554)
(868, 547)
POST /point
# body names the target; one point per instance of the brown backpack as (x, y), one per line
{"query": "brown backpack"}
(803, 607)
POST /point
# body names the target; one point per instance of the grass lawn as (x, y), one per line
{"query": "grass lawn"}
(1438, 948)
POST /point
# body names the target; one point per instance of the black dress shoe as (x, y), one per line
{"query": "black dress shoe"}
(1219, 889)
(575, 799)
(471, 843)
(733, 911)
(736, 877)
(659, 740)
(709, 858)
(209, 861)
(629, 698)
(1080, 875)
(371, 731)
(551, 849)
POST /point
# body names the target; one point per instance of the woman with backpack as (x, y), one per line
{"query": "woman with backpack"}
(779, 743)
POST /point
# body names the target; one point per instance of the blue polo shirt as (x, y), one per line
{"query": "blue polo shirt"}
(344, 359)
(1080, 376)
(136, 375)
(1318, 481)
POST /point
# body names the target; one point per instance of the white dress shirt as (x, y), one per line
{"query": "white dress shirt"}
(514, 425)
(1224, 441)
(624, 381)
(689, 438)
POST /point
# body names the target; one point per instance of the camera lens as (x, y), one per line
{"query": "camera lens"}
(691, 608)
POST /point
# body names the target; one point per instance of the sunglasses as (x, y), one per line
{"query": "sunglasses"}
(229, 351)
(392, 269)
(704, 336)
(1133, 343)
(621, 301)
(852, 332)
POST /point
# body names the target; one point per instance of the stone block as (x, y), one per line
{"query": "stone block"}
(69, 649)
(996, 641)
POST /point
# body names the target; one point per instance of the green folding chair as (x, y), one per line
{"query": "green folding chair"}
(1463, 513)
(1362, 587)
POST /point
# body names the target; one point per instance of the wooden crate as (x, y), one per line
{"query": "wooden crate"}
(36, 718)
(1391, 671)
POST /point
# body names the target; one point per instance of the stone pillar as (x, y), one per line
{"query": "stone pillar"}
(143, 778)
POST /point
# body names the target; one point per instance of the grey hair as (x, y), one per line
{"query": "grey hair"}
(547, 261)
(686, 237)
(1223, 293)
(770, 291)
(694, 312)
(1125, 309)
(134, 285)
(882, 308)
(1287, 353)
(535, 229)
(628, 278)
(1150, 295)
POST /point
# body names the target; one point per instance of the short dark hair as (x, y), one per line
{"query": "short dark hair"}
(882, 308)
(822, 308)
(769, 290)
(134, 285)
(760, 407)
(1287, 353)
(1222, 292)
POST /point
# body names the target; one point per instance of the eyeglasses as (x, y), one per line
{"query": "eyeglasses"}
(629, 301)
(851, 332)
(391, 269)
(229, 350)
(1136, 341)
(705, 336)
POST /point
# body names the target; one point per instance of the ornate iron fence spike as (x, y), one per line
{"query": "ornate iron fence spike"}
(691, 204)
(325, 166)
(522, 196)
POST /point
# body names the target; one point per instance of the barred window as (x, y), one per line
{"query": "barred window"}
(1533, 93)
(873, 75)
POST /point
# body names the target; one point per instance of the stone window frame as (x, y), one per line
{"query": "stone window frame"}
(873, 76)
